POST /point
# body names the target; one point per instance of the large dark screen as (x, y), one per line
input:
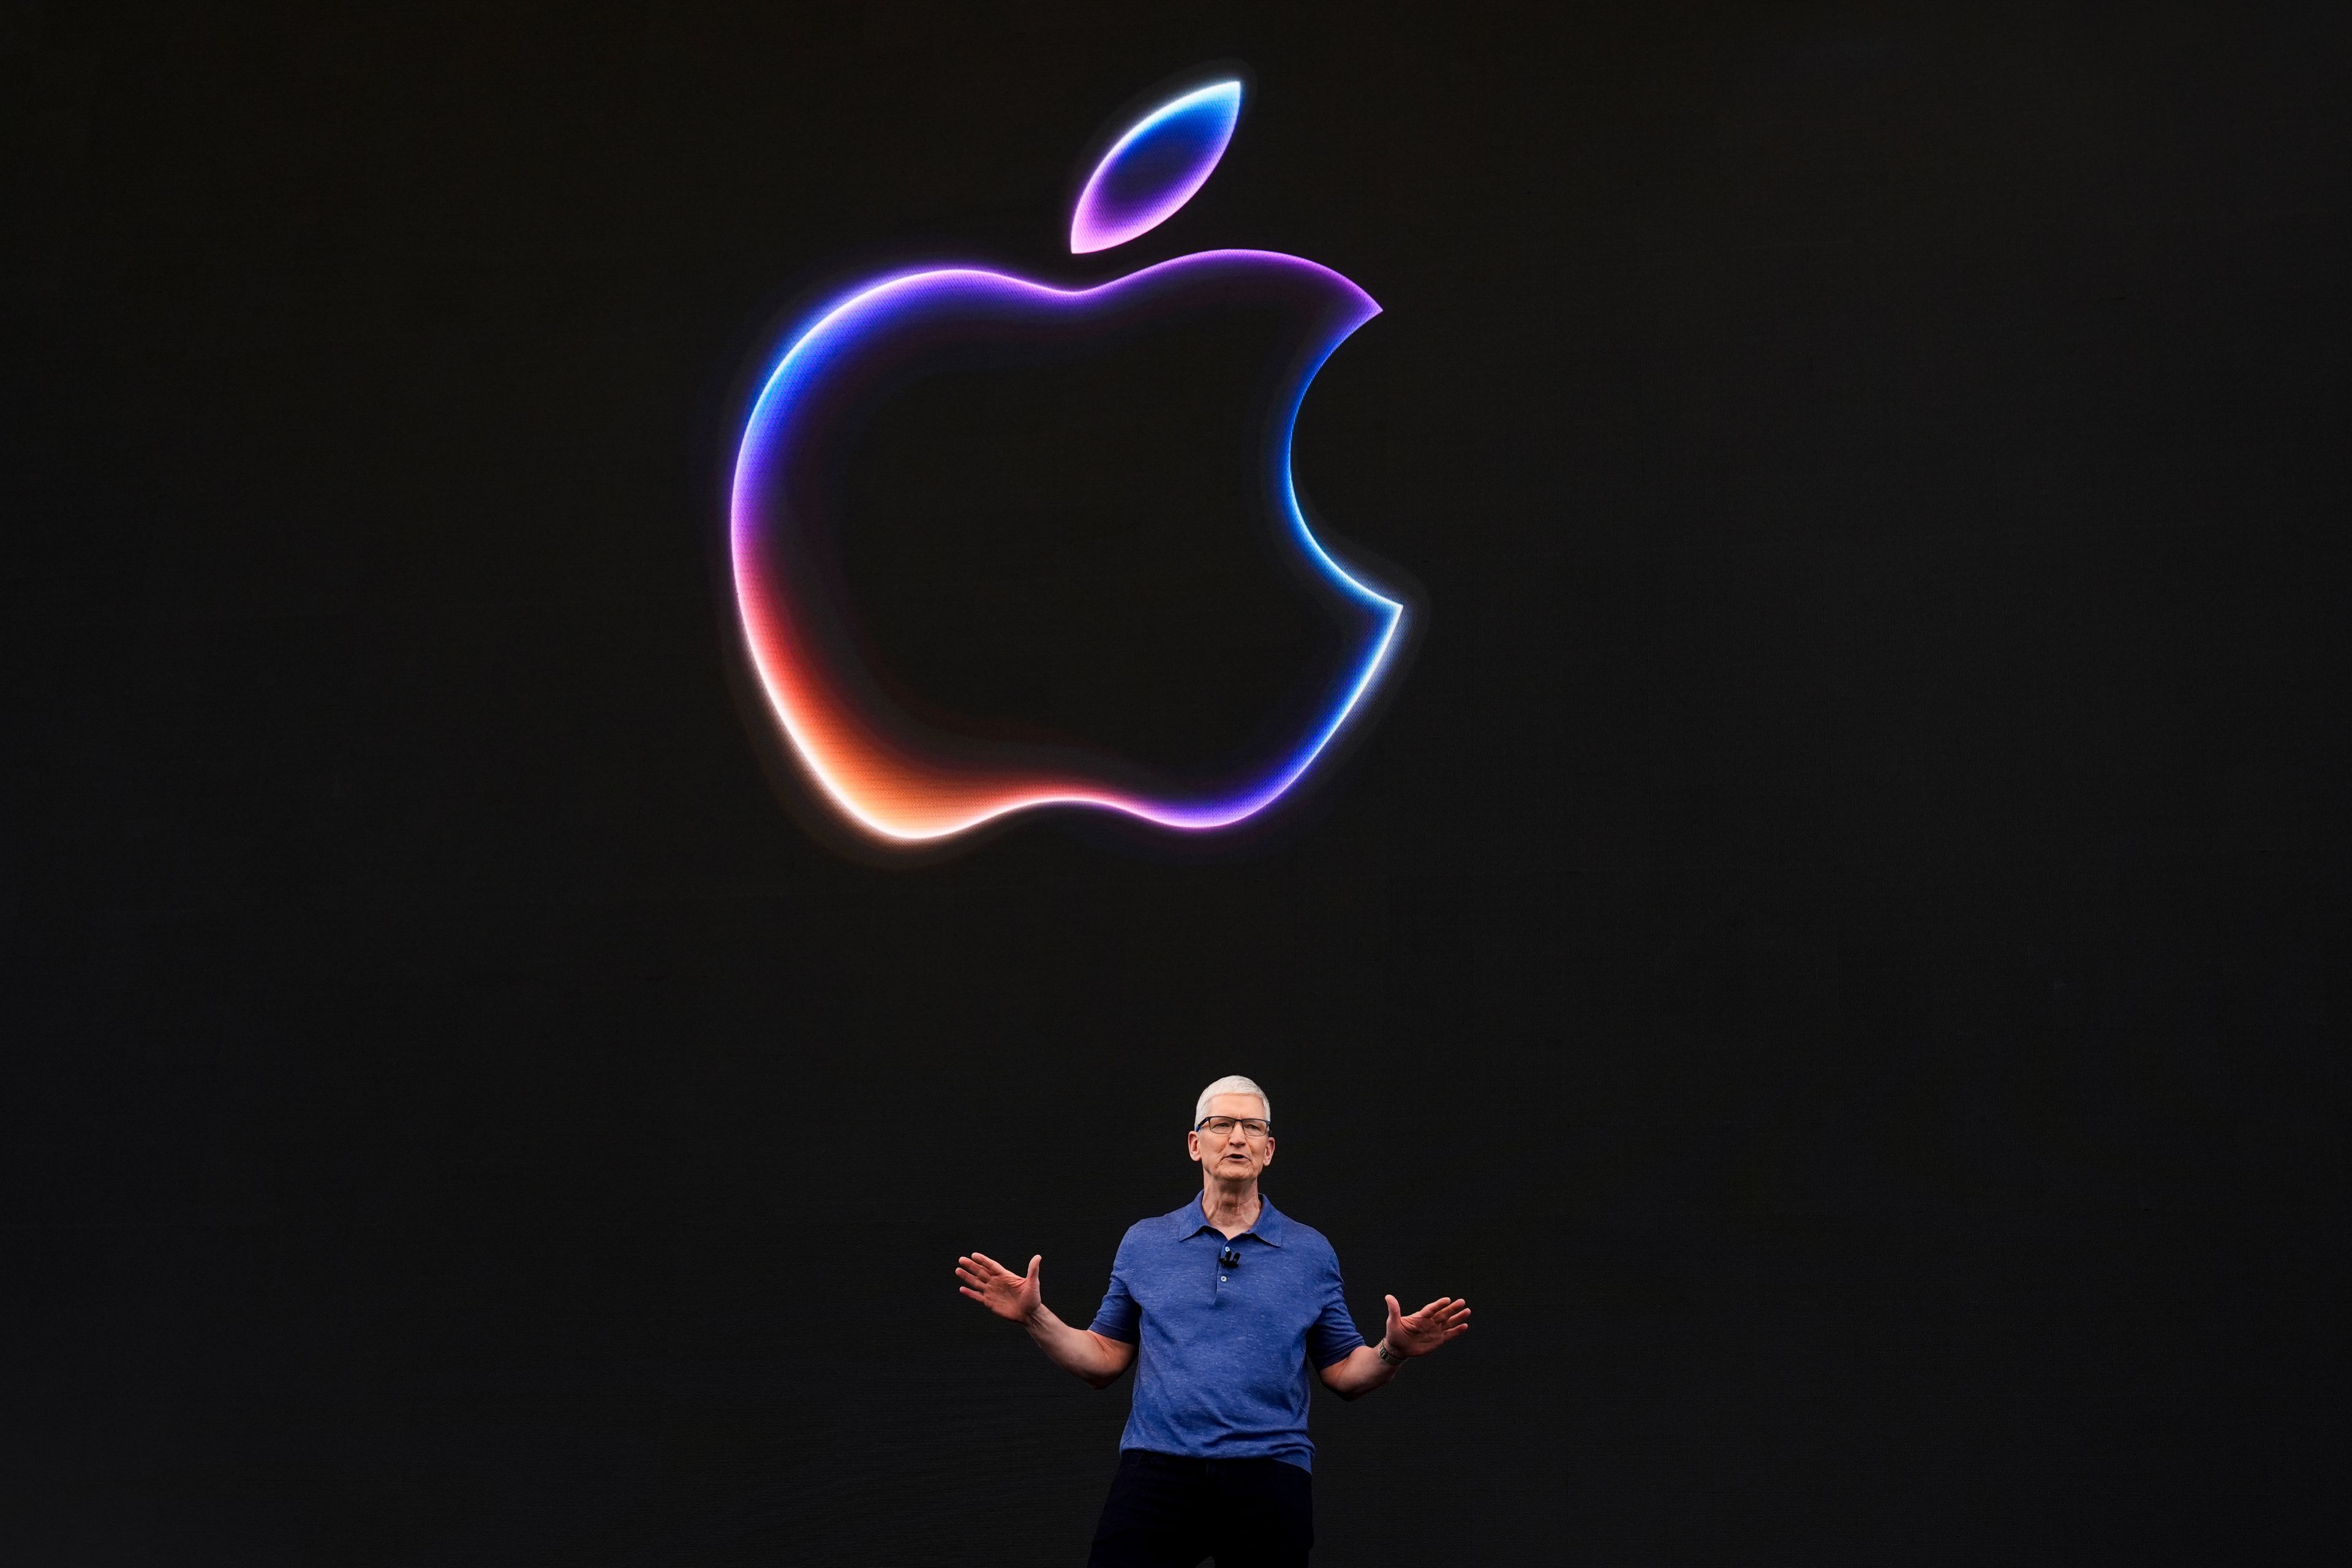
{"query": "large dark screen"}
(1827, 943)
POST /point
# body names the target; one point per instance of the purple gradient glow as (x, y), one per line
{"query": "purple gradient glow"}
(890, 778)
(1155, 167)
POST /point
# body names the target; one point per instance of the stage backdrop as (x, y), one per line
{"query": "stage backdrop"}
(1822, 938)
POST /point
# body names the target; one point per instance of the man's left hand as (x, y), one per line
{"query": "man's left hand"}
(1447, 1318)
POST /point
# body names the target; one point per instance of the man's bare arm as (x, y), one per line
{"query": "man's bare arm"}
(1365, 1368)
(1357, 1373)
(1092, 1356)
(1019, 1298)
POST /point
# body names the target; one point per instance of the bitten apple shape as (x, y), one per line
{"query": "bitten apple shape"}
(888, 774)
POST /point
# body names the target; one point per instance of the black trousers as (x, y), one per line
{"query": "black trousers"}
(1167, 1511)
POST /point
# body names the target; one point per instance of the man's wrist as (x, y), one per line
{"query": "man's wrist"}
(1387, 1353)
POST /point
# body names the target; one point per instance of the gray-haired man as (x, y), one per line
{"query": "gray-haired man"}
(1228, 1306)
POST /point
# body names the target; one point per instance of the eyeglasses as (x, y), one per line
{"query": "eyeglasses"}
(1255, 1131)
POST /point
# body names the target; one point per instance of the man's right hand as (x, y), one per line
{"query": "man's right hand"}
(1013, 1297)
(1017, 1298)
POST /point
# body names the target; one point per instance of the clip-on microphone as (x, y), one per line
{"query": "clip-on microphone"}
(1229, 1257)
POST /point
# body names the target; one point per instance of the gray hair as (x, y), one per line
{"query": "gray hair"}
(1232, 1084)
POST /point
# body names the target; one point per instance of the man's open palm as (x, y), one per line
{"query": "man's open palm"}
(1010, 1296)
(1447, 1318)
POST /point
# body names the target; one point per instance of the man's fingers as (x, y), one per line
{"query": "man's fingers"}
(986, 1260)
(1439, 1321)
(1447, 1318)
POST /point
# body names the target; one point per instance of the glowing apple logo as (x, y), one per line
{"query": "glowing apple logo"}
(908, 781)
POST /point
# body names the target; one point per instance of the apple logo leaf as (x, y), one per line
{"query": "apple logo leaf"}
(1155, 167)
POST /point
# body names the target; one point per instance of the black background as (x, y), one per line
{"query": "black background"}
(1830, 946)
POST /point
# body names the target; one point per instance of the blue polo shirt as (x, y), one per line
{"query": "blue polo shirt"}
(1222, 1351)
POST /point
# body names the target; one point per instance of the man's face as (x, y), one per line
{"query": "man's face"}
(1233, 1155)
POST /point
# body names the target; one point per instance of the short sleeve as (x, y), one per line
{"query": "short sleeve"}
(1119, 1317)
(1332, 1336)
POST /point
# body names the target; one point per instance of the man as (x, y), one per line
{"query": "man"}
(1230, 1305)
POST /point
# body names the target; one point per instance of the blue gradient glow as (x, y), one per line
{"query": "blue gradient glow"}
(1155, 168)
(909, 786)
(907, 779)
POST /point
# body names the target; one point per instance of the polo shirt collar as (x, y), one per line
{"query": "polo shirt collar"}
(1190, 1219)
